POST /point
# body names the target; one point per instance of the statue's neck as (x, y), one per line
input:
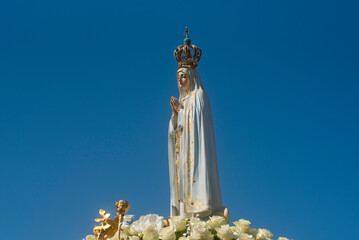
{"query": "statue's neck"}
(184, 97)
(184, 94)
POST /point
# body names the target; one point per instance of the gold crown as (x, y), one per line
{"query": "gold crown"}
(183, 53)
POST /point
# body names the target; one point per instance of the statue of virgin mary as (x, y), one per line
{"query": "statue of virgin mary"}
(194, 179)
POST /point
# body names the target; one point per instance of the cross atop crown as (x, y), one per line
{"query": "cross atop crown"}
(187, 55)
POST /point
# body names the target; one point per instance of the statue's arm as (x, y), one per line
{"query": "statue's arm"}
(173, 125)
(176, 121)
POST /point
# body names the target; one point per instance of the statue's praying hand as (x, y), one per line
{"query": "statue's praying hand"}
(176, 105)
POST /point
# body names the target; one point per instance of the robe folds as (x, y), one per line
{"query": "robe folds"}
(194, 178)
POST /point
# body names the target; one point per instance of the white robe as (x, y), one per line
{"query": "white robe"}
(194, 179)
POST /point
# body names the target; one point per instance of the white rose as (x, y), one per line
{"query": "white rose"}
(200, 231)
(216, 221)
(129, 230)
(252, 231)
(283, 238)
(242, 225)
(224, 232)
(90, 237)
(179, 223)
(150, 233)
(167, 233)
(245, 236)
(126, 220)
(263, 234)
(194, 220)
(150, 220)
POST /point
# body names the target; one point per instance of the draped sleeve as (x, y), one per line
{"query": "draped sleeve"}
(171, 162)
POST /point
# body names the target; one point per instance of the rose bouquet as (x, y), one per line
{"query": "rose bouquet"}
(154, 227)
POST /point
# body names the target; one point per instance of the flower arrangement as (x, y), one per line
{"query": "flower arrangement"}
(154, 227)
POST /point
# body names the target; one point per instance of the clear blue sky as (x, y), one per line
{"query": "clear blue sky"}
(84, 111)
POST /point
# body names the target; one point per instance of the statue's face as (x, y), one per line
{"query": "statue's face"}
(183, 81)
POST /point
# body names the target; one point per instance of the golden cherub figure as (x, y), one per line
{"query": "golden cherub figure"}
(122, 207)
(107, 228)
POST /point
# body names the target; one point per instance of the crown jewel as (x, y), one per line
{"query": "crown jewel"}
(187, 55)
